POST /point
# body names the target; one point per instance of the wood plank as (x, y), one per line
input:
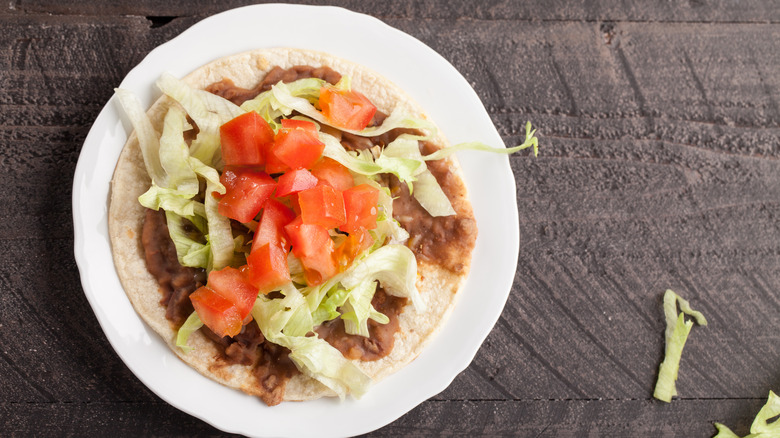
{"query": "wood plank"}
(52, 346)
(658, 169)
(529, 418)
(753, 11)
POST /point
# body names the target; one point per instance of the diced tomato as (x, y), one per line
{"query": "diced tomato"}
(294, 204)
(234, 286)
(295, 181)
(249, 189)
(303, 124)
(299, 146)
(305, 238)
(273, 164)
(353, 245)
(346, 109)
(267, 267)
(219, 314)
(322, 205)
(245, 140)
(360, 207)
(332, 173)
(229, 177)
(313, 245)
(271, 228)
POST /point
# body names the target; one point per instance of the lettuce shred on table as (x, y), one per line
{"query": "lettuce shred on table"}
(677, 330)
(761, 427)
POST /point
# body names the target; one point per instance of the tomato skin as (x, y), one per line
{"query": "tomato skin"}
(360, 208)
(313, 245)
(299, 146)
(233, 285)
(322, 205)
(216, 312)
(247, 191)
(330, 172)
(267, 267)
(245, 140)
(346, 109)
(295, 181)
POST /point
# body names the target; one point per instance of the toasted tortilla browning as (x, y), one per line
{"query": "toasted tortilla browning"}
(443, 246)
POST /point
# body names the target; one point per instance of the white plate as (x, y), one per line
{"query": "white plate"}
(450, 101)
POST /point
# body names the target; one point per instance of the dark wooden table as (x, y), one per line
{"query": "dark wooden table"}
(659, 126)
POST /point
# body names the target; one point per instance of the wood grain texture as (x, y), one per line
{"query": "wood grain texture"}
(660, 133)
(750, 11)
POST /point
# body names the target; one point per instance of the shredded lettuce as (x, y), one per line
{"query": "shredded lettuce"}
(189, 251)
(761, 427)
(317, 359)
(358, 309)
(397, 118)
(190, 326)
(171, 200)
(220, 235)
(328, 307)
(431, 196)
(271, 109)
(288, 321)
(208, 173)
(396, 269)
(286, 315)
(401, 158)
(677, 330)
(361, 162)
(175, 173)
(182, 172)
(284, 321)
(175, 154)
(147, 135)
(344, 84)
(207, 110)
(301, 322)
(296, 269)
(530, 142)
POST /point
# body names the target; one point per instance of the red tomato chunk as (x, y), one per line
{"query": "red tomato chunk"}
(245, 140)
(267, 267)
(247, 191)
(322, 205)
(295, 181)
(216, 312)
(332, 173)
(271, 228)
(313, 245)
(273, 165)
(346, 109)
(299, 146)
(234, 286)
(360, 206)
